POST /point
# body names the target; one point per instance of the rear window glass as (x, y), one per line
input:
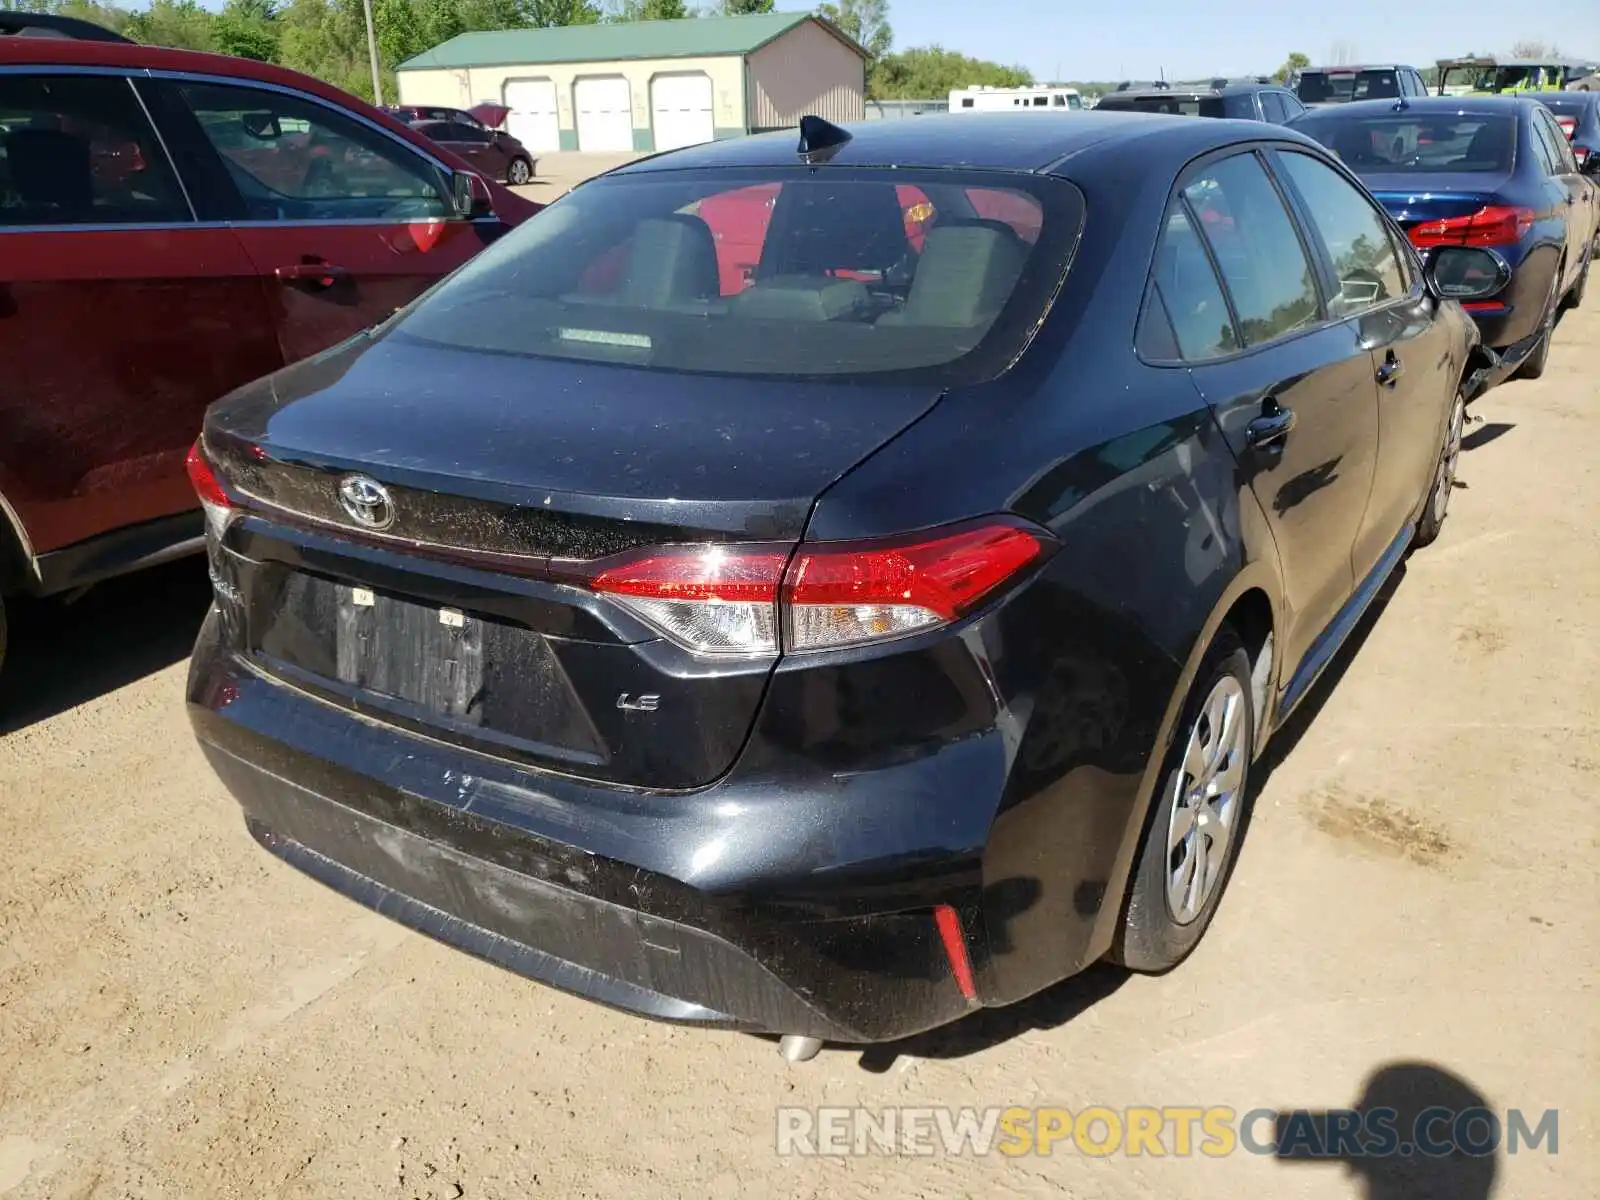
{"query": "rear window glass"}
(1447, 142)
(787, 273)
(1376, 85)
(1182, 106)
(1567, 108)
(1318, 87)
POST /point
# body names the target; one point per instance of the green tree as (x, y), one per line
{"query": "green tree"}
(439, 21)
(1295, 62)
(867, 21)
(248, 29)
(543, 14)
(932, 72)
(398, 30)
(181, 24)
(650, 10)
(328, 39)
(740, 8)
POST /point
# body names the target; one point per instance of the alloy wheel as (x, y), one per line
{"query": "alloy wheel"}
(1206, 807)
(519, 172)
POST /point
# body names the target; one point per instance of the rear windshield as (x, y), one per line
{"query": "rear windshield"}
(1447, 142)
(1557, 103)
(1318, 87)
(1376, 85)
(1183, 106)
(790, 272)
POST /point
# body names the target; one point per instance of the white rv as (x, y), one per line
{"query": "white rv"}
(998, 99)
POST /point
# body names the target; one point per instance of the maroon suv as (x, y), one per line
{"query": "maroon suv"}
(174, 225)
(474, 135)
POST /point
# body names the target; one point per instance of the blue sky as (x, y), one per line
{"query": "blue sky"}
(1136, 38)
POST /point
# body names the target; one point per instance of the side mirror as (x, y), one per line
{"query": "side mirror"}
(1465, 272)
(263, 126)
(470, 196)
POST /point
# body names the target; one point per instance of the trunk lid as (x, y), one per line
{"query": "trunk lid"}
(490, 114)
(1414, 197)
(466, 615)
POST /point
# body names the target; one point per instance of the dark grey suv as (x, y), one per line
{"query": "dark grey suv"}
(1242, 101)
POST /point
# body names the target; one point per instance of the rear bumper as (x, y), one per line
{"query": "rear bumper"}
(464, 849)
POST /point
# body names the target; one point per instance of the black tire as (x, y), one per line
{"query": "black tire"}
(1153, 938)
(1436, 507)
(516, 167)
(1575, 296)
(1533, 366)
(2, 636)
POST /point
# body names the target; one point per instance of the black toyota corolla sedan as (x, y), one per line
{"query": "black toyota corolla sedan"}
(822, 592)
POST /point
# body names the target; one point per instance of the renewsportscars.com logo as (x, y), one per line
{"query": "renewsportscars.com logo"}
(1175, 1131)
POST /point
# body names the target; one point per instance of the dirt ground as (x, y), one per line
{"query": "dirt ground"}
(556, 174)
(181, 1016)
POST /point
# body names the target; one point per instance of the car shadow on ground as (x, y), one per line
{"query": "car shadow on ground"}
(62, 655)
(1069, 999)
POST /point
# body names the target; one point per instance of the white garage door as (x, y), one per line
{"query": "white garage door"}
(532, 119)
(680, 109)
(605, 113)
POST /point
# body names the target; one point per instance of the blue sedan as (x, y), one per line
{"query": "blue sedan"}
(1492, 172)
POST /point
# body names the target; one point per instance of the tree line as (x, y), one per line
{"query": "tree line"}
(327, 38)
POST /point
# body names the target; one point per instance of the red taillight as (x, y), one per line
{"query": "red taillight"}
(205, 481)
(849, 594)
(735, 600)
(712, 599)
(1494, 225)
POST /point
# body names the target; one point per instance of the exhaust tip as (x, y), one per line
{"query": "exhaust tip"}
(797, 1049)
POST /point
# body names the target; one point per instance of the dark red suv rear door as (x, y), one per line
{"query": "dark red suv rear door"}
(468, 142)
(344, 221)
(121, 316)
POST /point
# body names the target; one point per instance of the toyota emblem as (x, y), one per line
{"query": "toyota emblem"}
(367, 501)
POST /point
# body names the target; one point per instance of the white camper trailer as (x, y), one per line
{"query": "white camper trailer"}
(1044, 98)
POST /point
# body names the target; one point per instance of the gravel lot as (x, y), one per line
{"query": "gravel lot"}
(181, 1016)
(556, 174)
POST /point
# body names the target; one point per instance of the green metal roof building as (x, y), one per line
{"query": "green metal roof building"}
(647, 85)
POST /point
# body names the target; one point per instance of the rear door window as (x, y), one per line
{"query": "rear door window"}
(1256, 246)
(464, 130)
(78, 150)
(782, 274)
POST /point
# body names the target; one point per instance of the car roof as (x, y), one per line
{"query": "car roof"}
(1025, 142)
(1352, 68)
(1465, 105)
(1491, 60)
(1198, 93)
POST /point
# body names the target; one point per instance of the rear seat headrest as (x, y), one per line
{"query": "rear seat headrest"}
(965, 275)
(673, 260)
(50, 167)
